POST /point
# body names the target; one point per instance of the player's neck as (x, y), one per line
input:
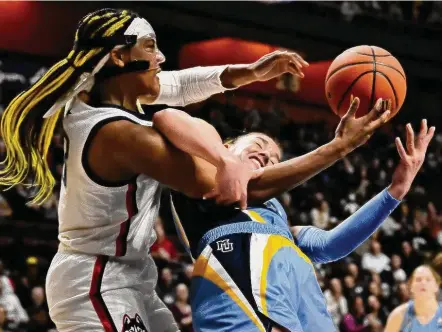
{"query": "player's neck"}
(425, 306)
(111, 93)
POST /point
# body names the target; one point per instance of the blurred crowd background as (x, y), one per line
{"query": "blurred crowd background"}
(361, 289)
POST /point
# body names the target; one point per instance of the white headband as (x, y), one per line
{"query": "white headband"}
(139, 27)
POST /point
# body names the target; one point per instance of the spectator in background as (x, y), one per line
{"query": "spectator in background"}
(14, 310)
(38, 312)
(181, 309)
(4, 321)
(435, 223)
(397, 273)
(351, 290)
(321, 215)
(437, 265)
(375, 260)
(404, 215)
(358, 275)
(420, 237)
(186, 274)
(389, 227)
(163, 248)
(5, 281)
(5, 209)
(336, 302)
(165, 286)
(410, 258)
(376, 315)
(402, 295)
(31, 279)
(355, 320)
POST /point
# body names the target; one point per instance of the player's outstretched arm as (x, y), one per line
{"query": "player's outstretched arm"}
(276, 179)
(192, 85)
(350, 134)
(325, 246)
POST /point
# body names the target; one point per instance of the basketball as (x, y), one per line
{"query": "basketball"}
(367, 72)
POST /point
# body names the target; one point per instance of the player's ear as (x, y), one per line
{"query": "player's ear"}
(116, 57)
(227, 145)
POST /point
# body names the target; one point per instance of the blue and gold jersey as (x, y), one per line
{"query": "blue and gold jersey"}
(194, 218)
(249, 274)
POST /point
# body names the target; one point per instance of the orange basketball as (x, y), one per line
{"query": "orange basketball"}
(367, 72)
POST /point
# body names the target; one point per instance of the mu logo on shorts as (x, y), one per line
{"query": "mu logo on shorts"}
(224, 245)
(133, 324)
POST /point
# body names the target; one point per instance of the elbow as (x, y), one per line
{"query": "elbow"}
(167, 118)
(164, 116)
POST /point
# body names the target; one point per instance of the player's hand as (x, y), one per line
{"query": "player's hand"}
(277, 63)
(232, 178)
(352, 132)
(411, 159)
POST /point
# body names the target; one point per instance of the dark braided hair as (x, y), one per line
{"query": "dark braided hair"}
(26, 133)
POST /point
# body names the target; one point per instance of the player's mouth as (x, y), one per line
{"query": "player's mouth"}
(258, 162)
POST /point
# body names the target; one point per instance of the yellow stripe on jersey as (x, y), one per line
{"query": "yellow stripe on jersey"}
(203, 268)
(274, 244)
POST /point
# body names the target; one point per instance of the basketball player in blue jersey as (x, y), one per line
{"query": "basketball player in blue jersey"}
(424, 312)
(250, 273)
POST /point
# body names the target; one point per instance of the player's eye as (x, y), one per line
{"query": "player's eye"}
(149, 45)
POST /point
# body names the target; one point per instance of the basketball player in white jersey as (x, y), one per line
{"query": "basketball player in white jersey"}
(102, 277)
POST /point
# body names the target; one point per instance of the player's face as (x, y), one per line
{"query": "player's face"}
(423, 283)
(257, 150)
(147, 49)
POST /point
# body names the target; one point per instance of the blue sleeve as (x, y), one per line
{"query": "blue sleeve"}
(327, 246)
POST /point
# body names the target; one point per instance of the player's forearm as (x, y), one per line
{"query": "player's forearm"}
(287, 175)
(191, 135)
(326, 246)
(237, 75)
(192, 85)
(188, 86)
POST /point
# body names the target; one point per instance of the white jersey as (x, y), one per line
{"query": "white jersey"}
(96, 217)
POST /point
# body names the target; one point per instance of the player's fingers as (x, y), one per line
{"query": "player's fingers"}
(424, 128)
(293, 69)
(243, 202)
(410, 139)
(376, 111)
(422, 135)
(299, 59)
(257, 173)
(211, 194)
(354, 105)
(400, 148)
(379, 122)
(430, 134)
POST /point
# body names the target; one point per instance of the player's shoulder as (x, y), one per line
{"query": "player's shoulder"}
(106, 112)
(400, 310)
(275, 206)
(396, 317)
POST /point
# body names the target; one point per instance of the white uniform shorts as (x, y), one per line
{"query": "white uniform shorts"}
(100, 293)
